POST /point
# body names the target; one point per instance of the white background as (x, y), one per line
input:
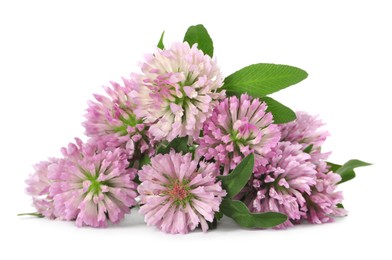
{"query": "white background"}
(54, 55)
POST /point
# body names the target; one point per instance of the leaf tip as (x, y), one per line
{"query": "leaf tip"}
(160, 43)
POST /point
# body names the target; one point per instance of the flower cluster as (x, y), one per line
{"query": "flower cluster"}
(175, 140)
(177, 194)
(238, 127)
(177, 91)
(112, 123)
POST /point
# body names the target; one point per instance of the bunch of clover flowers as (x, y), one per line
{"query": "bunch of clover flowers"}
(114, 126)
(284, 177)
(187, 145)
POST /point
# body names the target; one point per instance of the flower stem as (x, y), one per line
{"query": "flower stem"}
(34, 214)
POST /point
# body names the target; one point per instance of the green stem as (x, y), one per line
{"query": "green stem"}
(34, 214)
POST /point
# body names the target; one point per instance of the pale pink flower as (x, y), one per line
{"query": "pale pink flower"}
(177, 193)
(306, 130)
(282, 184)
(238, 127)
(112, 123)
(177, 91)
(92, 186)
(324, 199)
(38, 187)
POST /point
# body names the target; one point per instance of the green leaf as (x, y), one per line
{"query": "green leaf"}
(237, 210)
(237, 179)
(144, 160)
(179, 144)
(340, 206)
(333, 167)
(160, 43)
(280, 112)
(259, 80)
(218, 215)
(199, 34)
(308, 149)
(346, 171)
